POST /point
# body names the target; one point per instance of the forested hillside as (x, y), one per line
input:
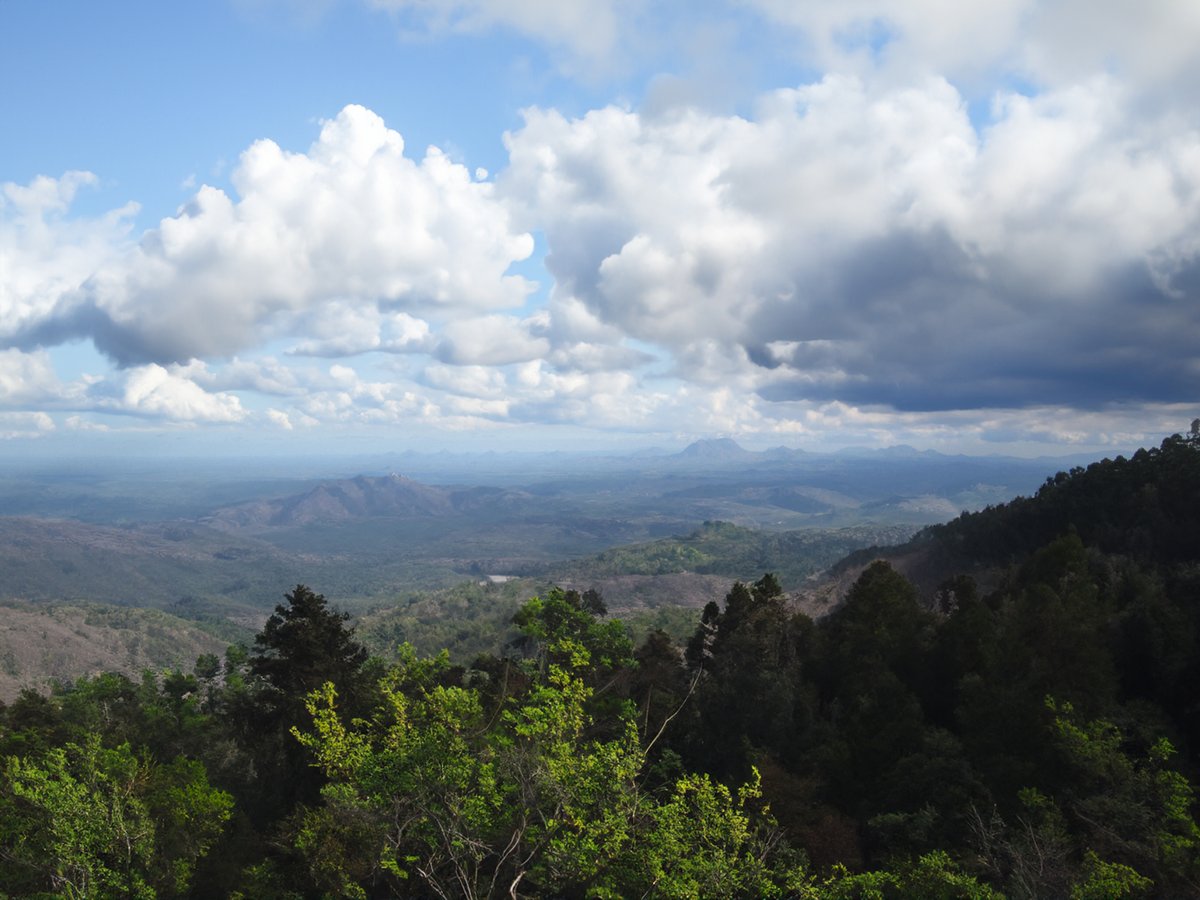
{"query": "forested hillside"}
(1037, 738)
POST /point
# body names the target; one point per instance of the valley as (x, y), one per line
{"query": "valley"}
(442, 554)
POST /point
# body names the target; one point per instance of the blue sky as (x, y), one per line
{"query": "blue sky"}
(367, 224)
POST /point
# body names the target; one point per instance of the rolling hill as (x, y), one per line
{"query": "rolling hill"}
(62, 642)
(365, 497)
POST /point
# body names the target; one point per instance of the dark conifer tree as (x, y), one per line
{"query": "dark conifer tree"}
(303, 645)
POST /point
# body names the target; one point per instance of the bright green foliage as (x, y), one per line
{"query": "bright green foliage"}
(1111, 823)
(414, 759)
(466, 810)
(561, 629)
(88, 821)
(931, 877)
(1109, 881)
(1131, 808)
(578, 793)
(432, 795)
(80, 827)
(704, 841)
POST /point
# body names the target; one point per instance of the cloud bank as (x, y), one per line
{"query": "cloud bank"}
(352, 228)
(873, 247)
(954, 219)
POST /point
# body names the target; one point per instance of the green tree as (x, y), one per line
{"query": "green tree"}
(466, 810)
(88, 821)
(754, 648)
(933, 876)
(703, 840)
(1131, 808)
(432, 795)
(303, 645)
(555, 624)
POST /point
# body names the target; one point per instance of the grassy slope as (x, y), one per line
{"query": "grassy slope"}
(65, 641)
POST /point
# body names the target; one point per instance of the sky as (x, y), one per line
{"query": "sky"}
(338, 225)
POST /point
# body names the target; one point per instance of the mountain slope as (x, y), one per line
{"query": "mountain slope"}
(62, 642)
(362, 497)
(1145, 508)
(152, 565)
(715, 449)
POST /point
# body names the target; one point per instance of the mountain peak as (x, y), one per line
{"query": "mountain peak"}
(714, 448)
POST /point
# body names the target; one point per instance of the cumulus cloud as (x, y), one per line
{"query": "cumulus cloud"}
(171, 394)
(541, 392)
(882, 251)
(342, 329)
(45, 256)
(265, 375)
(352, 228)
(280, 418)
(470, 381)
(939, 36)
(587, 357)
(870, 245)
(27, 379)
(158, 392)
(24, 425)
(490, 340)
(82, 423)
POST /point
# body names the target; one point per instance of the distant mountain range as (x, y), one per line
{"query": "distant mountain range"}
(373, 539)
(364, 497)
(716, 450)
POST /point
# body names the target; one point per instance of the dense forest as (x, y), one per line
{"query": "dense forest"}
(1039, 738)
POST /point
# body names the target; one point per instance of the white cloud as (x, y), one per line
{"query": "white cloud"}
(1050, 43)
(571, 321)
(1053, 43)
(490, 340)
(24, 425)
(908, 259)
(1151, 45)
(345, 396)
(171, 394)
(27, 379)
(45, 257)
(470, 381)
(167, 393)
(80, 423)
(587, 357)
(264, 375)
(342, 329)
(280, 418)
(872, 252)
(934, 36)
(352, 225)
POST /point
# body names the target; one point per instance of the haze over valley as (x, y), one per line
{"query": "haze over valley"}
(216, 544)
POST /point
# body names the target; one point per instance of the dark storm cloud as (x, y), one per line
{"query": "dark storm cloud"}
(871, 246)
(919, 333)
